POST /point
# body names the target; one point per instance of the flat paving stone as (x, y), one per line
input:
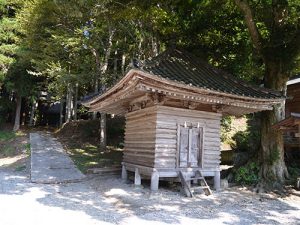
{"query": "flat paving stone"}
(49, 161)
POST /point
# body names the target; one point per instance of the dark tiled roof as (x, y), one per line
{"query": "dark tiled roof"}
(183, 67)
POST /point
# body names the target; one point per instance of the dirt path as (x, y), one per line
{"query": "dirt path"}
(49, 161)
(109, 201)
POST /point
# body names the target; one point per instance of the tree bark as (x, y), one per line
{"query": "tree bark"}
(123, 63)
(75, 102)
(103, 132)
(69, 107)
(103, 71)
(32, 112)
(97, 75)
(273, 168)
(18, 113)
(255, 35)
(61, 109)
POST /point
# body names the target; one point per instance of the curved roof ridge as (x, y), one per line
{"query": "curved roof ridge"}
(179, 65)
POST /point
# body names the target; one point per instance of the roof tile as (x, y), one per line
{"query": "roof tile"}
(181, 66)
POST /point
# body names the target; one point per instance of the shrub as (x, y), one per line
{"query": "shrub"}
(241, 140)
(248, 174)
(225, 128)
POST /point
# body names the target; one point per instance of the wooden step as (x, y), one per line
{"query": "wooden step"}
(194, 178)
(189, 191)
(199, 187)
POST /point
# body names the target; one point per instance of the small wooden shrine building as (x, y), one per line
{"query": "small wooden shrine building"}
(290, 126)
(173, 105)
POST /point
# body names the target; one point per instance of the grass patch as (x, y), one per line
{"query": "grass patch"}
(89, 156)
(7, 151)
(11, 143)
(7, 136)
(20, 168)
(27, 148)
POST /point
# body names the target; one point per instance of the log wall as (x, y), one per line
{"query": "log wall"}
(167, 125)
(151, 136)
(140, 137)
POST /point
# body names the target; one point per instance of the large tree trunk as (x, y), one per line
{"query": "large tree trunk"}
(61, 110)
(103, 132)
(69, 103)
(97, 75)
(123, 63)
(32, 112)
(273, 170)
(75, 102)
(18, 113)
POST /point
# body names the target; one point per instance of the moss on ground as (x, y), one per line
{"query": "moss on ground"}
(10, 145)
(89, 156)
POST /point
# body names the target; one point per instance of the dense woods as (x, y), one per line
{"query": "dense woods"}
(56, 53)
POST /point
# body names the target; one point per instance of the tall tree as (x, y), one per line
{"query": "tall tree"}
(274, 28)
(10, 65)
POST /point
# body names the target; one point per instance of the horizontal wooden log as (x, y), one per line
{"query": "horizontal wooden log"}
(141, 115)
(149, 145)
(166, 165)
(202, 122)
(144, 155)
(211, 162)
(139, 145)
(211, 157)
(212, 153)
(208, 144)
(186, 112)
(212, 139)
(212, 148)
(139, 162)
(139, 139)
(146, 124)
(141, 120)
(154, 131)
(151, 136)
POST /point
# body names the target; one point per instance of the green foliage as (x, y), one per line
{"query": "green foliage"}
(89, 156)
(6, 136)
(225, 128)
(27, 148)
(248, 140)
(20, 168)
(6, 106)
(294, 172)
(248, 174)
(7, 151)
(9, 35)
(274, 156)
(242, 141)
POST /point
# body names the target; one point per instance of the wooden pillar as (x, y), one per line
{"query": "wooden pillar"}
(217, 181)
(154, 180)
(124, 173)
(137, 177)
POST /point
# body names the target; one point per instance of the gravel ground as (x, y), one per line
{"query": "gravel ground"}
(99, 200)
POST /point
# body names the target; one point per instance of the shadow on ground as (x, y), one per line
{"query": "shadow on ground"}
(98, 200)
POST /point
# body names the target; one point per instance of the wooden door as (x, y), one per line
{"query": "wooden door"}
(183, 146)
(190, 146)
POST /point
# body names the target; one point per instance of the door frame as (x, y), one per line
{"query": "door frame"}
(201, 145)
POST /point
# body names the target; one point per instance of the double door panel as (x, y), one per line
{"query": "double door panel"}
(190, 146)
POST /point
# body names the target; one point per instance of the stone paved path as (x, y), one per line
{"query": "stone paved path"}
(49, 162)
